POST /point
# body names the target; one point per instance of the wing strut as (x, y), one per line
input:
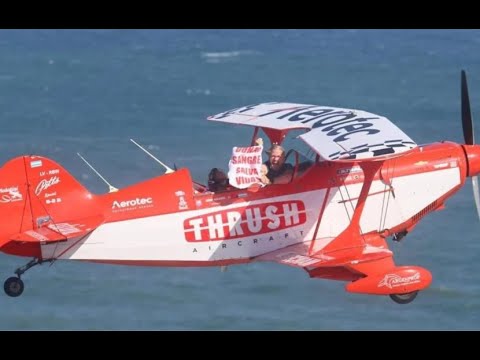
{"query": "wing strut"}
(344, 240)
(168, 170)
(110, 187)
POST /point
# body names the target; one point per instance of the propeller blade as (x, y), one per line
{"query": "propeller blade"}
(467, 122)
(476, 194)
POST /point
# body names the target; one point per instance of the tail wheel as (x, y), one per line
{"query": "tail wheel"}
(13, 286)
(404, 298)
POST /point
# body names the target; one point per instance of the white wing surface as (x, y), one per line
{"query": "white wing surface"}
(333, 133)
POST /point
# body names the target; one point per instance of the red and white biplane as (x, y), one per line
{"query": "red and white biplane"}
(365, 183)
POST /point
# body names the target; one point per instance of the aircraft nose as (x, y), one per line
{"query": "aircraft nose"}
(473, 159)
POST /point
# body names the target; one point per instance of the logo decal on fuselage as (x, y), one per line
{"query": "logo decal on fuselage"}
(182, 203)
(132, 204)
(393, 280)
(245, 221)
(10, 194)
(45, 184)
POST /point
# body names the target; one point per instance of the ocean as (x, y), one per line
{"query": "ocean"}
(65, 92)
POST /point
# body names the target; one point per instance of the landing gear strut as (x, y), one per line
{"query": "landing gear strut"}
(14, 286)
(399, 236)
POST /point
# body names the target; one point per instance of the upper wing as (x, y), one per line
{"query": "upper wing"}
(58, 232)
(334, 133)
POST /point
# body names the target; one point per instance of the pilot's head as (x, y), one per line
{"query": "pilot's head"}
(217, 180)
(276, 156)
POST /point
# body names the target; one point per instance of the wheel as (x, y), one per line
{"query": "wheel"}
(13, 286)
(404, 298)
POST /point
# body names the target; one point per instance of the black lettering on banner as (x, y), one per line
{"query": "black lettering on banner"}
(239, 243)
(235, 111)
(296, 109)
(344, 137)
(337, 114)
(224, 246)
(337, 123)
(307, 116)
(194, 250)
(255, 241)
(286, 235)
(246, 108)
(348, 128)
(271, 238)
(334, 122)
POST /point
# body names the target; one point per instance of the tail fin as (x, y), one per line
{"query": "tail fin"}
(35, 191)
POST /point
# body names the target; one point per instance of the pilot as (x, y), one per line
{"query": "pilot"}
(217, 180)
(275, 170)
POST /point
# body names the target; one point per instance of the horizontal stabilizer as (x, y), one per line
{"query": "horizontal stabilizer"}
(41, 235)
(58, 232)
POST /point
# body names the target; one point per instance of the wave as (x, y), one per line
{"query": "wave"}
(198, 92)
(216, 57)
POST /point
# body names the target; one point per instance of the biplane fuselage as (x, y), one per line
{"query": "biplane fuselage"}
(368, 182)
(165, 222)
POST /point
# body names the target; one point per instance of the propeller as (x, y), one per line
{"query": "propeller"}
(467, 124)
(467, 121)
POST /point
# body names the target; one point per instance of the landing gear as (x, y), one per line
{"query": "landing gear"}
(14, 286)
(404, 298)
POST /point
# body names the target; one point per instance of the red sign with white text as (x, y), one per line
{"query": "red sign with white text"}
(245, 221)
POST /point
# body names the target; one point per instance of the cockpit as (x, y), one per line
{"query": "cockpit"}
(300, 162)
(299, 157)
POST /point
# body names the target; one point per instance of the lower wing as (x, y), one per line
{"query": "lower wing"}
(340, 264)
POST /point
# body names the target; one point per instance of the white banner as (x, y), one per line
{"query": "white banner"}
(244, 166)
